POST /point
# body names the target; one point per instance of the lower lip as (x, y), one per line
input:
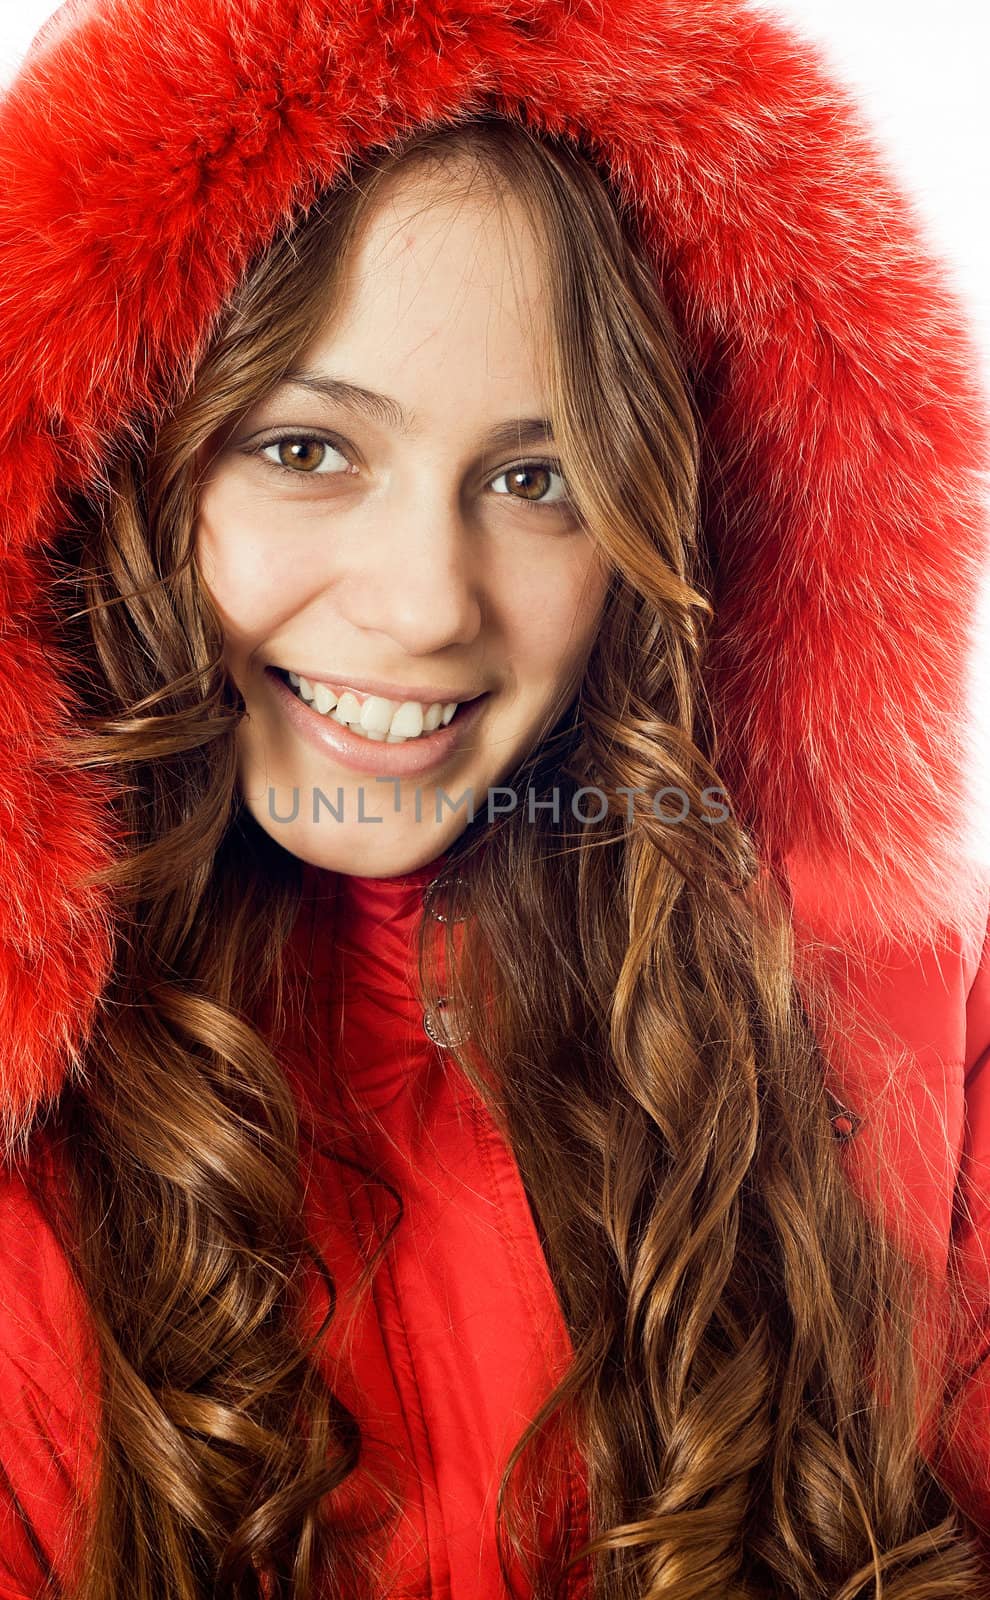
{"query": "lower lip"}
(337, 742)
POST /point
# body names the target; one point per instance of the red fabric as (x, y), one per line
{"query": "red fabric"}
(47, 1384)
(966, 1425)
(921, 1158)
(447, 1356)
(460, 1336)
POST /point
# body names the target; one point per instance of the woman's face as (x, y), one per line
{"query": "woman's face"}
(399, 525)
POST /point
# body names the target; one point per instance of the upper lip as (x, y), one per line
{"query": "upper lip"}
(427, 693)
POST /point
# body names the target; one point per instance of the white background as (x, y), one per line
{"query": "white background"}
(920, 73)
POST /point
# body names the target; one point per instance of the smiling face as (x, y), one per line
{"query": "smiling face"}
(416, 541)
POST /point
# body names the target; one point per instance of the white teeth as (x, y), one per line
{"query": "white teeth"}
(408, 720)
(348, 709)
(375, 718)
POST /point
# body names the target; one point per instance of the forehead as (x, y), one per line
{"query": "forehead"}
(438, 280)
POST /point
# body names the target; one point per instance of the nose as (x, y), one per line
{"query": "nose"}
(414, 576)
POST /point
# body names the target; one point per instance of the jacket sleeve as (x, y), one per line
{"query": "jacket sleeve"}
(45, 1442)
(965, 1431)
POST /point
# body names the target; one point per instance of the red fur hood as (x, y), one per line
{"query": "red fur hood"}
(150, 147)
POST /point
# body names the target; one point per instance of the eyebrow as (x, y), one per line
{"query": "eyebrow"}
(522, 431)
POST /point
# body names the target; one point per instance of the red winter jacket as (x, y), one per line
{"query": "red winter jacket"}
(461, 1334)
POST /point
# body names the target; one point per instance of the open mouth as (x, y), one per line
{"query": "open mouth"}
(374, 736)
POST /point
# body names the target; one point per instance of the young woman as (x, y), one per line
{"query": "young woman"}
(495, 1001)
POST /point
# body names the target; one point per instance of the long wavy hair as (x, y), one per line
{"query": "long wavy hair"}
(746, 1391)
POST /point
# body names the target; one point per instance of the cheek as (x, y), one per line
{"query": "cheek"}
(556, 622)
(248, 580)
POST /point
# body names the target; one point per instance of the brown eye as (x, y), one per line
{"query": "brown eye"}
(533, 478)
(306, 453)
(301, 454)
